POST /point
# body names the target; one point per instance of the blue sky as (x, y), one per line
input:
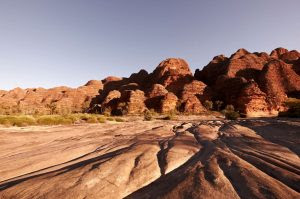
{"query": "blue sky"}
(68, 42)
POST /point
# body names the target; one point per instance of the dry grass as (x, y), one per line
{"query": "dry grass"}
(28, 120)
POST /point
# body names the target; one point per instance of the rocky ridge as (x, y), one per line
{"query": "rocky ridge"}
(256, 84)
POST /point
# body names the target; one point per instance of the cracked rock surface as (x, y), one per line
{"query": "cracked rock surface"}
(253, 158)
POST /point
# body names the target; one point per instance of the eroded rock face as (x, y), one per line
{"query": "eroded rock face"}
(59, 100)
(276, 53)
(192, 105)
(173, 74)
(115, 94)
(278, 80)
(157, 90)
(134, 101)
(276, 75)
(263, 78)
(192, 95)
(159, 159)
(168, 103)
(215, 68)
(252, 101)
(171, 82)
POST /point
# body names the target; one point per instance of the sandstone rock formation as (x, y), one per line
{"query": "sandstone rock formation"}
(173, 74)
(169, 84)
(255, 83)
(252, 100)
(134, 101)
(266, 80)
(278, 80)
(168, 103)
(156, 159)
(59, 100)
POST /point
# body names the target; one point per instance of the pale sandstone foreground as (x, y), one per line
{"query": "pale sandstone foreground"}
(256, 158)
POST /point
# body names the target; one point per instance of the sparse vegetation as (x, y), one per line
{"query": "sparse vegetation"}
(208, 104)
(101, 119)
(92, 120)
(110, 119)
(170, 115)
(148, 116)
(22, 120)
(28, 120)
(293, 106)
(118, 119)
(53, 120)
(230, 113)
(218, 105)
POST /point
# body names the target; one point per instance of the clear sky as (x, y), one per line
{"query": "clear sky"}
(68, 42)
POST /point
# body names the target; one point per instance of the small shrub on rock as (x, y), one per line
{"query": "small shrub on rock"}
(148, 116)
(218, 105)
(230, 113)
(208, 105)
(293, 106)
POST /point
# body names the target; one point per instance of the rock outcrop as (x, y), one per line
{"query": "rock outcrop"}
(59, 100)
(173, 74)
(207, 159)
(168, 103)
(253, 101)
(168, 86)
(132, 102)
(256, 84)
(245, 79)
